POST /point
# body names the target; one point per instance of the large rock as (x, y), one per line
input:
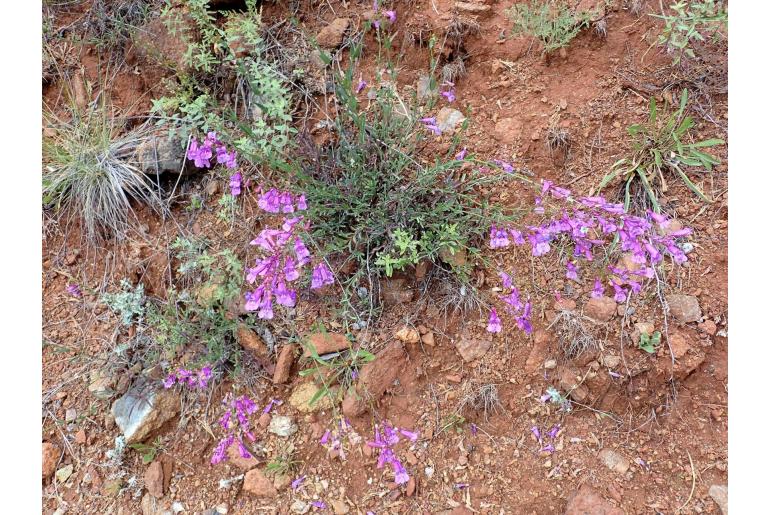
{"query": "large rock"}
(719, 494)
(472, 348)
(302, 395)
(160, 154)
(256, 484)
(587, 501)
(331, 36)
(601, 309)
(539, 352)
(448, 119)
(684, 308)
(375, 378)
(51, 455)
(144, 409)
(324, 343)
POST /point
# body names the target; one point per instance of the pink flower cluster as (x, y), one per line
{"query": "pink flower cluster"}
(201, 153)
(552, 434)
(593, 222)
(390, 15)
(74, 290)
(236, 424)
(385, 443)
(286, 254)
(513, 305)
(332, 439)
(190, 378)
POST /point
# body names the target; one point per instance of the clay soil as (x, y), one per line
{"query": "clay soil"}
(667, 423)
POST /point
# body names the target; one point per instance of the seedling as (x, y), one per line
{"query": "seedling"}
(147, 451)
(649, 343)
(687, 23)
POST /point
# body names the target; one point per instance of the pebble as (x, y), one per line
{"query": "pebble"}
(550, 364)
(64, 473)
(70, 415)
(614, 461)
(282, 426)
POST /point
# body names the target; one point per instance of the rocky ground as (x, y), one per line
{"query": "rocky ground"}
(647, 433)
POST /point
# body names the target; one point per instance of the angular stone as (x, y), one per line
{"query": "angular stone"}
(256, 484)
(64, 473)
(331, 36)
(408, 335)
(471, 348)
(614, 461)
(719, 494)
(302, 395)
(282, 426)
(685, 308)
(568, 381)
(448, 119)
(235, 458)
(51, 455)
(283, 365)
(587, 501)
(375, 378)
(324, 343)
(144, 409)
(153, 479)
(250, 341)
(424, 91)
(538, 352)
(159, 154)
(601, 309)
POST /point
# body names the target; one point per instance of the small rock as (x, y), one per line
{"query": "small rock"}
(235, 458)
(679, 345)
(454, 259)
(611, 361)
(250, 341)
(471, 348)
(568, 381)
(587, 501)
(424, 91)
(212, 188)
(281, 481)
(448, 119)
(684, 308)
(708, 327)
(565, 305)
(719, 494)
(153, 479)
(324, 343)
(51, 455)
(408, 335)
(538, 353)
(339, 507)
(601, 308)
(614, 461)
(301, 396)
(645, 328)
(472, 7)
(264, 420)
(80, 437)
(71, 415)
(549, 364)
(255, 483)
(331, 36)
(150, 506)
(395, 292)
(161, 154)
(101, 386)
(143, 410)
(429, 339)
(112, 487)
(64, 473)
(535, 136)
(282, 426)
(300, 507)
(283, 365)
(411, 486)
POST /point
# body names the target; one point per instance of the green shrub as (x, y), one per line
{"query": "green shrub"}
(128, 303)
(662, 144)
(552, 23)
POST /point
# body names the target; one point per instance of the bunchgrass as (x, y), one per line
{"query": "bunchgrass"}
(88, 169)
(552, 23)
(663, 144)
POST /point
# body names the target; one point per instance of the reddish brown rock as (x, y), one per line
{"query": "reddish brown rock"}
(568, 381)
(587, 501)
(153, 479)
(708, 327)
(565, 305)
(684, 308)
(331, 36)
(283, 365)
(375, 378)
(324, 343)
(601, 309)
(471, 348)
(51, 455)
(256, 484)
(411, 486)
(539, 351)
(250, 341)
(235, 458)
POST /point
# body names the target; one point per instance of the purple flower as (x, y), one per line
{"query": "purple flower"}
(411, 435)
(554, 431)
(461, 154)
(523, 321)
(507, 280)
(474, 429)
(290, 269)
(74, 290)
(615, 374)
(169, 381)
(536, 432)
(547, 448)
(518, 238)
(461, 486)
(298, 482)
(235, 184)
(401, 476)
(322, 276)
(498, 238)
(361, 85)
(301, 203)
(245, 454)
(319, 504)
(430, 124)
(221, 450)
(285, 296)
(391, 15)
(572, 271)
(598, 290)
(507, 167)
(269, 201)
(303, 255)
(325, 437)
(540, 245)
(449, 95)
(494, 325)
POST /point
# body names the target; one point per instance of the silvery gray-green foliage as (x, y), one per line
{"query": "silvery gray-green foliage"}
(128, 303)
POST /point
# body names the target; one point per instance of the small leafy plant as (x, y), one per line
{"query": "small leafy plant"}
(128, 303)
(337, 368)
(662, 144)
(649, 343)
(147, 451)
(554, 24)
(689, 22)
